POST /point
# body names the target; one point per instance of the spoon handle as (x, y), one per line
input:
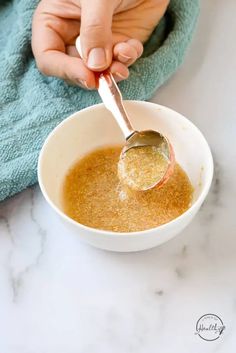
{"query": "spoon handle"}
(112, 99)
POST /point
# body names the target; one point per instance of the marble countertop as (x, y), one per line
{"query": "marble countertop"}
(58, 295)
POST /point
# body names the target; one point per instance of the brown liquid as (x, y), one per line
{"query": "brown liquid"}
(94, 196)
(142, 167)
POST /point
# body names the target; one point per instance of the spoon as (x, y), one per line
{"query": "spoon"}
(112, 99)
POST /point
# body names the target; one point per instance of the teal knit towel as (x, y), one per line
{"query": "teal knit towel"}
(31, 105)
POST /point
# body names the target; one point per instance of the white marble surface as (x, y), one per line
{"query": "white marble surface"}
(58, 295)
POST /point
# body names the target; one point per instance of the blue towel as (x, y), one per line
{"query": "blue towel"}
(31, 105)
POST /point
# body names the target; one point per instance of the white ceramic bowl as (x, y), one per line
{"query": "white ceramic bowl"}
(94, 127)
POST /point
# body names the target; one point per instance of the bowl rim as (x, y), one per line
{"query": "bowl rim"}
(146, 232)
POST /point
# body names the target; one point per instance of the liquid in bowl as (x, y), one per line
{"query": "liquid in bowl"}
(94, 196)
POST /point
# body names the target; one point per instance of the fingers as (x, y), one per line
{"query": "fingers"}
(72, 51)
(51, 58)
(128, 52)
(124, 55)
(119, 71)
(54, 63)
(55, 52)
(96, 33)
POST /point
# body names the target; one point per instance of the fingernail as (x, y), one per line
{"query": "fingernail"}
(120, 75)
(124, 58)
(97, 58)
(82, 83)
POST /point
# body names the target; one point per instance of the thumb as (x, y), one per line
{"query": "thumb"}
(96, 33)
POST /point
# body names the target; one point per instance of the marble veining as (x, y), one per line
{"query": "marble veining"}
(59, 295)
(17, 271)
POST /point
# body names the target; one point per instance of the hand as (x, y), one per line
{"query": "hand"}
(111, 34)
